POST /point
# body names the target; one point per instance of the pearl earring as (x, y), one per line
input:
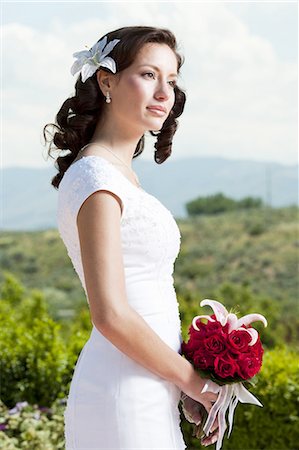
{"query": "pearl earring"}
(108, 98)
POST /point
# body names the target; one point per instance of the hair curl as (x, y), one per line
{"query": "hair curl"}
(77, 118)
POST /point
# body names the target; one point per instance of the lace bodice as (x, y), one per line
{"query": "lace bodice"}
(150, 235)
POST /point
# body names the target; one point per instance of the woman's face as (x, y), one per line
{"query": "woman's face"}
(141, 87)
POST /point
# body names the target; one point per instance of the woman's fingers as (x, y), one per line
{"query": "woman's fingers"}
(209, 440)
(215, 425)
(208, 403)
(193, 409)
(213, 436)
(211, 396)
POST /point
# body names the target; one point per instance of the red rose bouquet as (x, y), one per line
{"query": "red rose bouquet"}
(228, 351)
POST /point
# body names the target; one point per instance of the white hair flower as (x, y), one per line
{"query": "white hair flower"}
(88, 61)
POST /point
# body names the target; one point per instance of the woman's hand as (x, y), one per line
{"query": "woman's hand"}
(198, 397)
(196, 414)
(193, 411)
(201, 389)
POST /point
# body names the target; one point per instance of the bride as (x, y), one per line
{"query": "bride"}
(123, 242)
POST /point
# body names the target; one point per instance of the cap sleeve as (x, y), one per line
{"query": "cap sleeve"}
(88, 175)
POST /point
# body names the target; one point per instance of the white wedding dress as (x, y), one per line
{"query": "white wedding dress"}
(114, 402)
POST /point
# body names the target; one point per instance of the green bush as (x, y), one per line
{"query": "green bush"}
(37, 356)
(276, 425)
(34, 361)
(218, 203)
(212, 204)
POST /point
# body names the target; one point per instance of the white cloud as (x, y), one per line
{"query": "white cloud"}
(241, 98)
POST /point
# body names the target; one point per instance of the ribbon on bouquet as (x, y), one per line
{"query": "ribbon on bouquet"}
(228, 398)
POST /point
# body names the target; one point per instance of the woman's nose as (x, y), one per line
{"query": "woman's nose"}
(162, 90)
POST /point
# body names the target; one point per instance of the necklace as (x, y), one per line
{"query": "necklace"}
(106, 148)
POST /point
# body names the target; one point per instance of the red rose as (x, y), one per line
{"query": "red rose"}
(215, 344)
(239, 340)
(187, 349)
(217, 325)
(248, 365)
(257, 349)
(197, 334)
(202, 360)
(207, 329)
(193, 344)
(225, 366)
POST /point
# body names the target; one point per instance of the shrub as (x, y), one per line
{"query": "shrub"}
(33, 357)
(218, 203)
(37, 359)
(211, 204)
(33, 360)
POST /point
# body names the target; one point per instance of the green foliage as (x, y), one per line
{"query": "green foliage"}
(37, 357)
(31, 428)
(11, 290)
(35, 365)
(40, 261)
(276, 425)
(218, 203)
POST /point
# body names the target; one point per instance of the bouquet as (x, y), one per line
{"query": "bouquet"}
(229, 352)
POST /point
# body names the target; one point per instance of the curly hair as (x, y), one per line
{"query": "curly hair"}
(78, 116)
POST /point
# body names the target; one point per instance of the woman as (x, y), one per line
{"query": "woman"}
(123, 243)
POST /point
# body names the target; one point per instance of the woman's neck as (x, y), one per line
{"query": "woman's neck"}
(120, 141)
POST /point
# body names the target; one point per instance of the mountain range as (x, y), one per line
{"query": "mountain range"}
(28, 201)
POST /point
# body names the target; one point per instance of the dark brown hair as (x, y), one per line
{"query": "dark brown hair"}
(78, 116)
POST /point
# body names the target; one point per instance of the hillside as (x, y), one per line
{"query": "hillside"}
(29, 201)
(258, 249)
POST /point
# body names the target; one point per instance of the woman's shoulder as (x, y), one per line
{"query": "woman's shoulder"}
(89, 168)
(90, 161)
(87, 175)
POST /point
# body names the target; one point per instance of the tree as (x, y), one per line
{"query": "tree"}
(218, 203)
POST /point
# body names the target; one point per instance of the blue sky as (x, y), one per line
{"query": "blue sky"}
(240, 73)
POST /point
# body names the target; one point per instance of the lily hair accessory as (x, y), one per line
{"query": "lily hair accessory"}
(88, 61)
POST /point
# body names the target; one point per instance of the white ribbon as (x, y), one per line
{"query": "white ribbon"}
(228, 398)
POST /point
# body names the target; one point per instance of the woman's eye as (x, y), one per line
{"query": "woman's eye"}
(172, 82)
(148, 73)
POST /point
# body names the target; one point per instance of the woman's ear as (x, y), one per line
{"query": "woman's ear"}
(104, 80)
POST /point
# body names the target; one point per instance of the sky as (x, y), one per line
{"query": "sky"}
(240, 73)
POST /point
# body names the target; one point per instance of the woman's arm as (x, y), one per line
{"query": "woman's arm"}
(98, 224)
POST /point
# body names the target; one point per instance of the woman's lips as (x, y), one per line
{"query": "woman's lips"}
(156, 111)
